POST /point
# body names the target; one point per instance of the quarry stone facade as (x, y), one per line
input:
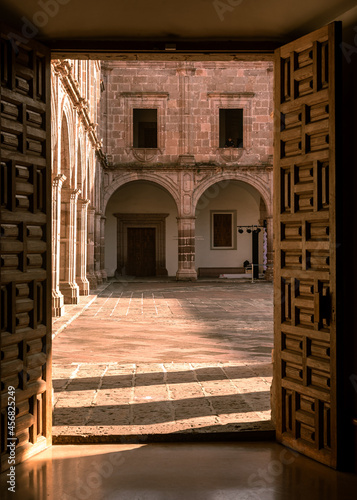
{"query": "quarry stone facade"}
(143, 169)
(76, 173)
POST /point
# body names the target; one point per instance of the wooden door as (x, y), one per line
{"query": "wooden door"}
(141, 259)
(25, 250)
(305, 244)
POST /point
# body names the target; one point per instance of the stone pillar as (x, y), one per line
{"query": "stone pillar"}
(102, 248)
(186, 249)
(68, 285)
(269, 273)
(97, 270)
(186, 156)
(90, 250)
(57, 297)
(81, 267)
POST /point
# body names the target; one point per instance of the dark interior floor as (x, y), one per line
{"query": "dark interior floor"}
(207, 471)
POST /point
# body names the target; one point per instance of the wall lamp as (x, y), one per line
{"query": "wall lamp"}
(249, 229)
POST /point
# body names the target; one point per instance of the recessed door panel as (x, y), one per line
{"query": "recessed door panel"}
(141, 258)
(25, 249)
(305, 244)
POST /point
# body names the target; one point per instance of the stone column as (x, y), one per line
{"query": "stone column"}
(102, 248)
(57, 297)
(186, 155)
(269, 273)
(90, 250)
(186, 249)
(81, 267)
(68, 285)
(97, 270)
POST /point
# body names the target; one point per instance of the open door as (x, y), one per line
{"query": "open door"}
(25, 249)
(305, 244)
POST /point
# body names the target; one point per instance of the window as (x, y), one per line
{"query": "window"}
(231, 128)
(144, 128)
(223, 230)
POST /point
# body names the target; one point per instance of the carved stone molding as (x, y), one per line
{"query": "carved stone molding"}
(144, 100)
(232, 100)
(145, 154)
(63, 69)
(230, 155)
(58, 181)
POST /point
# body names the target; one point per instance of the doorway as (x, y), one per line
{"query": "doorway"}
(141, 251)
(314, 257)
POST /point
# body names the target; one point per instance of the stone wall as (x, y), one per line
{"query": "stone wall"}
(188, 97)
(76, 182)
(94, 155)
(188, 158)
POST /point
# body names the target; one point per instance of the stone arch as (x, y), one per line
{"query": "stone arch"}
(64, 151)
(141, 205)
(135, 176)
(79, 154)
(86, 152)
(89, 179)
(260, 184)
(250, 179)
(66, 133)
(54, 129)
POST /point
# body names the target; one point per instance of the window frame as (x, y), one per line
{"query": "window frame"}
(233, 213)
(232, 100)
(227, 135)
(144, 100)
(138, 137)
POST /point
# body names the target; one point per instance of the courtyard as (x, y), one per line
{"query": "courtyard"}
(156, 359)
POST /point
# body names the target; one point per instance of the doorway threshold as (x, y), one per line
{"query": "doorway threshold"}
(161, 402)
(264, 431)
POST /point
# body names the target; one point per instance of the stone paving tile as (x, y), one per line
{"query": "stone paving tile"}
(149, 359)
(153, 399)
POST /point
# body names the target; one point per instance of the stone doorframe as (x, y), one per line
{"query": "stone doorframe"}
(156, 221)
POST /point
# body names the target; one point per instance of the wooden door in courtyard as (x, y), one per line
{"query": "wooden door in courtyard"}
(141, 254)
(25, 339)
(306, 89)
(305, 246)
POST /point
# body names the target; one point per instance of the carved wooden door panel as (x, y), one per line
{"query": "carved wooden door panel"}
(141, 251)
(305, 244)
(25, 250)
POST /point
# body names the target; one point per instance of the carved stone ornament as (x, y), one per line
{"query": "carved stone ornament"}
(229, 155)
(145, 154)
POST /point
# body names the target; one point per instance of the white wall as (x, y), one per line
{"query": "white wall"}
(141, 197)
(234, 195)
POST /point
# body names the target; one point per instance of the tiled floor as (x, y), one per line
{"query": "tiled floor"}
(153, 358)
(180, 471)
(132, 322)
(121, 402)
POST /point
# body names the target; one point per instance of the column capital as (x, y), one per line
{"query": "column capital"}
(59, 180)
(69, 194)
(75, 194)
(186, 71)
(84, 202)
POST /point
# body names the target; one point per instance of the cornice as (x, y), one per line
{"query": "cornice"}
(187, 168)
(63, 69)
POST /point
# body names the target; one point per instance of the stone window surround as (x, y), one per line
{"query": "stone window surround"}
(156, 221)
(234, 229)
(144, 100)
(232, 100)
